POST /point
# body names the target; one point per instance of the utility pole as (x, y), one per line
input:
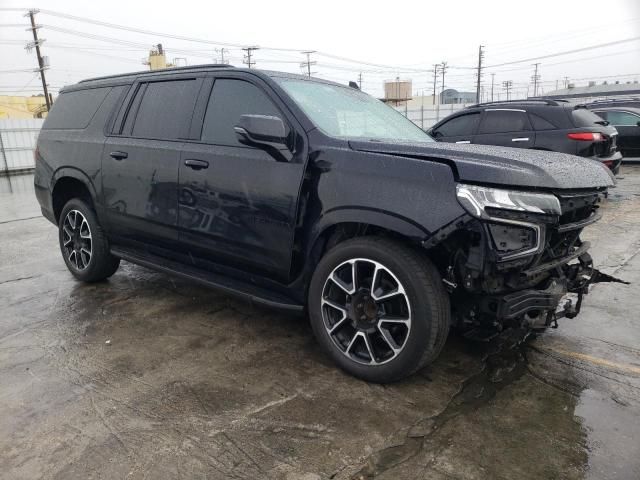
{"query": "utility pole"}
(247, 58)
(566, 82)
(536, 79)
(443, 71)
(435, 80)
(222, 52)
(493, 76)
(507, 84)
(480, 57)
(308, 63)
(360, 81)
(41, 63)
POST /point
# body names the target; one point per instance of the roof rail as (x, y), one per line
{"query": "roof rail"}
(164, 70)
(546, 101)
(617, 99)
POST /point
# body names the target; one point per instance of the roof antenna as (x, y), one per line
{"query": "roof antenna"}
(353, 84)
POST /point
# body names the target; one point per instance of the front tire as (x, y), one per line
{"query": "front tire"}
(83, 244)
(378, 308)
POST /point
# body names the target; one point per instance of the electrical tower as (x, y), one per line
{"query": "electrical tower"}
(479, 73)
(535, 78)
(360, 80)
(307, 65)
(507, 84)
(247, 57)
(43, 62)
(566, 82)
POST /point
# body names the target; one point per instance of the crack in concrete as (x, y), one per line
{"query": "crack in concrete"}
(504, 362)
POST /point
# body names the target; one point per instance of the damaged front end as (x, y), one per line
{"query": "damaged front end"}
(517, 255)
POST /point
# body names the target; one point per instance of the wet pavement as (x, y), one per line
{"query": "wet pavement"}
(148, 376)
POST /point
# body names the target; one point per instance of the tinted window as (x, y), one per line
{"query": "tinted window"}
(462, 125)
(585, 118)
(229, 99)
(75, 109)
(540, 123)
(620, 119)
(501, 121)
(165, 110)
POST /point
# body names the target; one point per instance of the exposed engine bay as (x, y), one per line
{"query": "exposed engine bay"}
(517, 259)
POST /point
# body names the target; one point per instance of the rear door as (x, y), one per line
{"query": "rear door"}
(508, 127)
(628, 125)
(237, 203)
(140, 161)
(459, 129)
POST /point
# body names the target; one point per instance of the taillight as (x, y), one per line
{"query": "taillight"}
(586, 136)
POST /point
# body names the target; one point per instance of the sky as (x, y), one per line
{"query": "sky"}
(379, 40)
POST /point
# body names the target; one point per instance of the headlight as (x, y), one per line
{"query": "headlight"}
(513, 237)
(476, 200)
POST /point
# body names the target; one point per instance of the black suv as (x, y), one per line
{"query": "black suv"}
(550, 125)
(312, 196)
(626, 120)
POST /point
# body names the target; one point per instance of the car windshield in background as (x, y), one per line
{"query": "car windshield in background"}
(586, 118)
(349, 113)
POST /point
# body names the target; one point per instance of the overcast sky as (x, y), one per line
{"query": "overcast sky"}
(389, 39)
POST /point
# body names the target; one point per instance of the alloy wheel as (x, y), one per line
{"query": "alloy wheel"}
(366, 311)
(76, 239)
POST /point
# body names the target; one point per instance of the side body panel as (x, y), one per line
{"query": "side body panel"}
(75, 153)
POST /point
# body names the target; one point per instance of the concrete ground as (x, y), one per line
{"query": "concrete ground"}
(148, 376)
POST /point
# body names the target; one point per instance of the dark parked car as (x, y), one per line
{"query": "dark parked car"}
(535, 124)
(311, 196)
(626, 121)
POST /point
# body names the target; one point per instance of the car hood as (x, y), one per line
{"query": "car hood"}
(514, 167)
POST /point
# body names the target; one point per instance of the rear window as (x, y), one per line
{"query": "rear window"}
(73, 110)
(540, 123)
(502, 121)
(585, 118)
(166, 109)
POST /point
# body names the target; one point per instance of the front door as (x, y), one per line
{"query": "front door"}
(140, 163)
(237, 203)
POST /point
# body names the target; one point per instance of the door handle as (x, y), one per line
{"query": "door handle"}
(463, 141)
(521, 139)
(196, 164)
(118, 155)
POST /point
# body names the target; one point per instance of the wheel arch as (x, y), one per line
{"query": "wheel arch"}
(342, 224)
(68, 183)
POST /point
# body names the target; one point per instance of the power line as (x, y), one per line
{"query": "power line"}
(576, 50)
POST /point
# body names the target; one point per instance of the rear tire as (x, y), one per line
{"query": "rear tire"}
(83, 244)
(388, 323)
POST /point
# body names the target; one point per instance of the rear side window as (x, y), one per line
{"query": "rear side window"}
(540, 123)
(165, 109)
(502, 121)
(459, 126)
(229, 99)
(585, 118)
(620, 119)
(75, 109)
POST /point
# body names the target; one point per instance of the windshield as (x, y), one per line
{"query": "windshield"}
(347, 112)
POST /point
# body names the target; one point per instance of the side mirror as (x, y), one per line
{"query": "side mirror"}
(638, 124)
(265, 132)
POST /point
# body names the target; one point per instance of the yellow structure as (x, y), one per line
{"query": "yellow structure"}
(157, 59)
(22, 107)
